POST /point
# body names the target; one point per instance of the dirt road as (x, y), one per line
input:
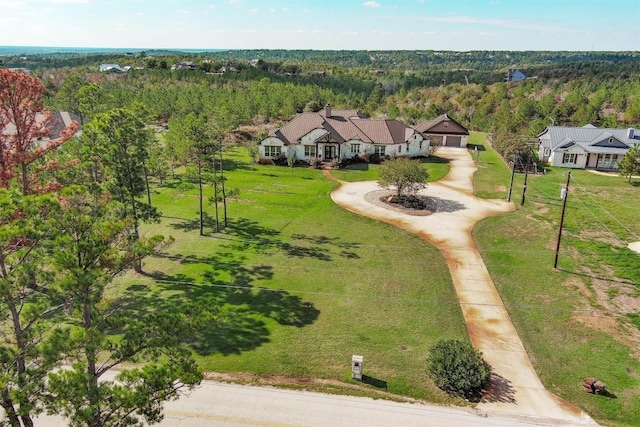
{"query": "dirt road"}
(516, 388)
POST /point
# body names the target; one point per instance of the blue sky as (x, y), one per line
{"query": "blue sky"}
(324, 24)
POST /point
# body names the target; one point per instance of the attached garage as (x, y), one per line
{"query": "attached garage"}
(444, 131)
(453, 141)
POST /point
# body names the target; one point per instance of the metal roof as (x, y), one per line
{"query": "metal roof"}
(589, 138)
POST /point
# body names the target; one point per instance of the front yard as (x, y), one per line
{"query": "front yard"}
(296, 285)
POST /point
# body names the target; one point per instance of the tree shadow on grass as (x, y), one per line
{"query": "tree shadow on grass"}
(245, 234)
(223, 312)
(193, 224)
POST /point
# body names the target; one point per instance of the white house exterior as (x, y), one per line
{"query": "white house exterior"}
(342, 134)
(587, 147)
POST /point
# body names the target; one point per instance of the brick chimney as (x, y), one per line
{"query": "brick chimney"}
(327, 111)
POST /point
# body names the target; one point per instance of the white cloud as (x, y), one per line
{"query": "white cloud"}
(69, 1)
(371, 4)
(253, 11)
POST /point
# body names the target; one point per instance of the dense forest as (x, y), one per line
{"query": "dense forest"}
(266, 87)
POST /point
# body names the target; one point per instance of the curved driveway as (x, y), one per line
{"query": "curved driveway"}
(516, 388)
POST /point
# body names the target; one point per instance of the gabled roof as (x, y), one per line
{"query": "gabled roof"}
(112, 67)
(590, 138)
(437, 126)
(58, 121)
(343, 125)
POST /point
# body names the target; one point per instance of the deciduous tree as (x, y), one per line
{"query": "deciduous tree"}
(405, 175)
(630, 164)
(25, 133)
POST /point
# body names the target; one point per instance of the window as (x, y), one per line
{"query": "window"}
(445, 124)
(309, 150)
(420, 145)
(399, 148)
(272, 150)
(569, 158)
(355, 148)
(379, 150)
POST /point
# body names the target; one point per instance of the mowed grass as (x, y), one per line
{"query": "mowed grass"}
(569, 331)
(298, 285)
(436, 166)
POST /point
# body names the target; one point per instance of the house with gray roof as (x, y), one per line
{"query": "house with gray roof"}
(586, 147)
(342, 134)
(112, 68)
(514, 75)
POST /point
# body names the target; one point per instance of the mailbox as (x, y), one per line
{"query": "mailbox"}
(356, 367)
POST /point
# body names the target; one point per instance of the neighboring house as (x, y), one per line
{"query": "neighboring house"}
(228, 69)
(587, 147)
(59, 120)
(444, 131)
(112, 68)
(342, 134)
(515, 75)
(188, 65)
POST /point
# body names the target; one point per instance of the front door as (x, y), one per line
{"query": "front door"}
(329, 152)
(607, 162)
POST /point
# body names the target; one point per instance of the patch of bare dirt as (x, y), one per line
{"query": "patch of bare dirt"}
(542, 209)
(601, 236)
(611, 325)
(500, 188)
(574, 282)
(613, 299)
(419, 206)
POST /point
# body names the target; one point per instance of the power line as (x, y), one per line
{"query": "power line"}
(595, 202)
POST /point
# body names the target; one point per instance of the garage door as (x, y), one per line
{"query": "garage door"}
(453, 141)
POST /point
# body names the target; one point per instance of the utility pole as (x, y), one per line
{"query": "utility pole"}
(564, 193)
(513, 172)
(524, 187)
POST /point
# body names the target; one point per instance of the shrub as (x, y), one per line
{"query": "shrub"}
(457, 368)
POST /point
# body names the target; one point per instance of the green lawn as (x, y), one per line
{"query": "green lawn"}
(569, 332)
(296, 285)
(436, 166)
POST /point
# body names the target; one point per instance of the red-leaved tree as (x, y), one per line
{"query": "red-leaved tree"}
(25, 133)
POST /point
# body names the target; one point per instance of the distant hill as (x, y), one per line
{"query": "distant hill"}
(53, 50)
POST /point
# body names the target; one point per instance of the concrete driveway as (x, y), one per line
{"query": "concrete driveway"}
(516, 388)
